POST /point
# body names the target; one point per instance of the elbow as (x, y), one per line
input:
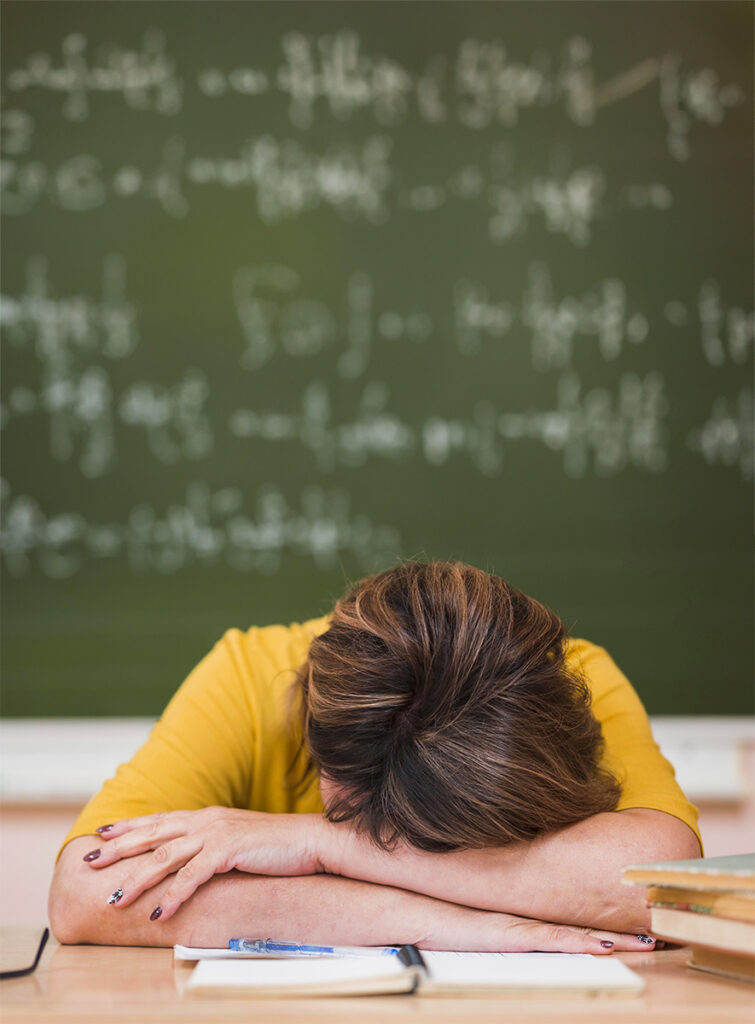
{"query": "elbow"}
(652, 836)
(71, 908)
(668, 838)
(686, 846)
(689, 845)
(64, 916)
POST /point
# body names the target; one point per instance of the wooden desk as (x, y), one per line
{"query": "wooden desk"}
(130, 985)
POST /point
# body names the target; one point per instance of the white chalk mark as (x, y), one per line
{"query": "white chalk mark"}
(627, 83)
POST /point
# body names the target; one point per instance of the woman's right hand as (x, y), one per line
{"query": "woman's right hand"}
(490, 931)
(521, 934)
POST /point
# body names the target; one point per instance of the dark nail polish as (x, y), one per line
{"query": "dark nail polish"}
(116, 897)
(155, 913)
(606, 944)
(103, 828)
(646, 939)
(92, 855)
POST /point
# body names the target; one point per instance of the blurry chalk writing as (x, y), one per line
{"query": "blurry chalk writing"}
(332, 285)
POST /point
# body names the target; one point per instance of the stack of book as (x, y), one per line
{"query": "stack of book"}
(708, 904)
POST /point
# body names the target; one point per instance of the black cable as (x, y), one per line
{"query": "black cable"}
(28, 970)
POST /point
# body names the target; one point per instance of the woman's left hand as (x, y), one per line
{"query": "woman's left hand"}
(195, 845)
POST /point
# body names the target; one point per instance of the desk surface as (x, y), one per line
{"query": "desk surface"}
(129, 985)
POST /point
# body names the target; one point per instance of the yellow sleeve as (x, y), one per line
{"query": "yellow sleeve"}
(631, 754)
(199, 754)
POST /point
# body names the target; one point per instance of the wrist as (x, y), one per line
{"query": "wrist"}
(333, 843)
(322, 845)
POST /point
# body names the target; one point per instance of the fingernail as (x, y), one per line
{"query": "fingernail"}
(92, 855)
(155, 913)
(116, 897)
(606, 944)
(646, 939)
(103, 828)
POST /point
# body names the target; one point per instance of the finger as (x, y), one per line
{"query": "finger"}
(165, 860)
(118, 828)
(537, 936)
(196, 818)
(160, 829)
(626, 942)
(193, 874)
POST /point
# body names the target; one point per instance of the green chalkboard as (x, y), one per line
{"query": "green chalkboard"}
(293, 290)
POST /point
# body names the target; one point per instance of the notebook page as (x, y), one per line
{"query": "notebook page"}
(530, 970)
(291, 974)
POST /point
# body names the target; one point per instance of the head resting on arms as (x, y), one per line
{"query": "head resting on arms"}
(440, 713)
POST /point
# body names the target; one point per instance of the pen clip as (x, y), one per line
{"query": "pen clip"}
(410, 956)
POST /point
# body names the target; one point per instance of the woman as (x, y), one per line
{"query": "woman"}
(434, 763)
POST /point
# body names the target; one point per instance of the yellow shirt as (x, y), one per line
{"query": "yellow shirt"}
(226, 736)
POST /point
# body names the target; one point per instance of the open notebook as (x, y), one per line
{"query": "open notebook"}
(428, 973)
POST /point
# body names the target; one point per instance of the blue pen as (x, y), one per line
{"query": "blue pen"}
(281, 948)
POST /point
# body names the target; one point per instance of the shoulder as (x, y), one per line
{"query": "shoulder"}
(580, 652)
(277, 642)
(261, 653)
(610, 689)
(589, 661)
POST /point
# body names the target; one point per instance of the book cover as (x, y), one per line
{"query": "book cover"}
(729, 965)
(689, 928)
(735, 873)
(736, 905)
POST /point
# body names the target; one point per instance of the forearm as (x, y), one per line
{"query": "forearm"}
(573, 875)
(328, 910)
(314, 908)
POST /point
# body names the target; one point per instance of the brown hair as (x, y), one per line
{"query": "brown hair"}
(440, 706)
